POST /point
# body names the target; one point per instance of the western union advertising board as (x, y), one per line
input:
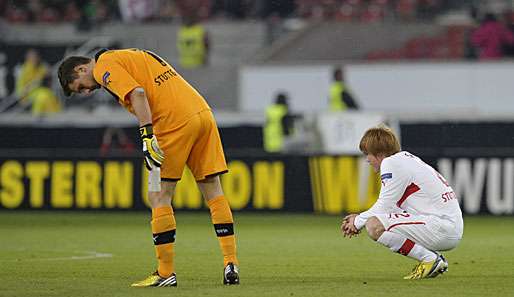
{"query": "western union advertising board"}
(323, 184)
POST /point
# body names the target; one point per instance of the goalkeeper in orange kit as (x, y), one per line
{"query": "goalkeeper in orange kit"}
(177, 128)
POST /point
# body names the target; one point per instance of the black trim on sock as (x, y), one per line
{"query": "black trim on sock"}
(164, 237)
(224, 229)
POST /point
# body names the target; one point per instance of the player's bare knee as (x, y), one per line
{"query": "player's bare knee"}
(210, 187)
(374, 228)
(209, 182)
(162, 198)
(158, 199)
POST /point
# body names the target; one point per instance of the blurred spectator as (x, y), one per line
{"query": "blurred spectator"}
(373, 13)
(31, 74)
(192, 43)
(346, 13)
(491, 37)
(16, 14)
(202, 9)
(340, 97)
(3, 5)
(279, 124)
(274, 28)
(85, 21)
(168, 10)
(43, 99)
(98, 11)
(283, 8)
(35, 9)
(137, 10)
(229, 8)
(427, 9)
(71, 12)
(406, 9)
(115, 137)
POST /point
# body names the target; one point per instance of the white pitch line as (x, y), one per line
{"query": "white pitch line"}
(88, 255)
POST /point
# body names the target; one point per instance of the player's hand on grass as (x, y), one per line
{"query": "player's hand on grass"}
(349, 231)
(348, 227)
(153, 154)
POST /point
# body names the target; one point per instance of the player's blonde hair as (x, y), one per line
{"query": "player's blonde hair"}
(379, 141)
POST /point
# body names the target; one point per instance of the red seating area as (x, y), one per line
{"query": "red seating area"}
(343, 10)
(450, 45)
(54, 11)
(366, 10)
(339, 10)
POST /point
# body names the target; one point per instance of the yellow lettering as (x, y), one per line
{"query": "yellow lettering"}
(315, 177)
(373, 189)
(349, 170)
(144, 186)
(268, 185)
(118, 184)
(236, 184)
(11, 174)
(331, 186)
(37, 172)
(339, 183)
(61, 184)
(87, 187)
(187, 194)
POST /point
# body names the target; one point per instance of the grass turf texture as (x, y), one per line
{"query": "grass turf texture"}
(280, 254)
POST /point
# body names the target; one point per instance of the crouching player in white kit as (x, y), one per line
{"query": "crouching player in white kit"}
(416, 213)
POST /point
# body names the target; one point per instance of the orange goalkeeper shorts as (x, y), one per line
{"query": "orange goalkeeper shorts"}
(196, 143)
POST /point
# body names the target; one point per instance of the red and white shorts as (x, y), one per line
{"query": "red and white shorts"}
(432, 232)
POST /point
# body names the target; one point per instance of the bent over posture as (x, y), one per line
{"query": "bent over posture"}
(177, 128)
(416, 214)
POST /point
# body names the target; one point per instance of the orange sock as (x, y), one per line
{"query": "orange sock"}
(221, 217)
(163, 229)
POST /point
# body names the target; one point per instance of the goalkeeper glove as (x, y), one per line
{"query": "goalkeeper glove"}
(151, 150)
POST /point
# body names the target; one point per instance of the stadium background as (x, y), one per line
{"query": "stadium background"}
(409, 63)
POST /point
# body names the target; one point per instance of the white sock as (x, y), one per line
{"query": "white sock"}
(402, 245)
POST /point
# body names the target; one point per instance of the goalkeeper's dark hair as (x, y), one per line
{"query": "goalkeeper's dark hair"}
(379, 141)
(67, 73)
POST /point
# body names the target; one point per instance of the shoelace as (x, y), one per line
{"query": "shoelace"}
(419, 271)
(415, 268)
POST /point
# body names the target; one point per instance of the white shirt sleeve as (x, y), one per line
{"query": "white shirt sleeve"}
(395, 180)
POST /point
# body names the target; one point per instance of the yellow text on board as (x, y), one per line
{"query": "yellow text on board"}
(67, 184)
(259, 185)
(342, 184)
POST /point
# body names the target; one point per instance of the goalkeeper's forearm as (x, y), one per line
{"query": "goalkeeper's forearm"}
(153, 155)
(140, 105)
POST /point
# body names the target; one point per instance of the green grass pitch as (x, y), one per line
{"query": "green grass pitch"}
(69, 254)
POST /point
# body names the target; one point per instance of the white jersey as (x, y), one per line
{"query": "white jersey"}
(410, 185)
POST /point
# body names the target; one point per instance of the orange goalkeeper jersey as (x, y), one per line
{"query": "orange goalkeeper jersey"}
(173, 101)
